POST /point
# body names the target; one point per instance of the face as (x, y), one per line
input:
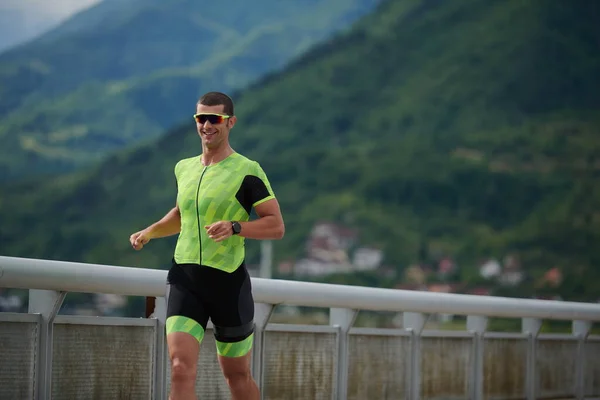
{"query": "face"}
(215, 134)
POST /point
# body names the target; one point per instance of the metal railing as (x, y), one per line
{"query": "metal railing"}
(47, 355)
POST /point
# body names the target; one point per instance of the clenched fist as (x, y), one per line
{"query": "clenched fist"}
(219, 230)
(139, 239)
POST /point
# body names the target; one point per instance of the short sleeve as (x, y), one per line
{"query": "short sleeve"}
(255, 188)
(260, 189)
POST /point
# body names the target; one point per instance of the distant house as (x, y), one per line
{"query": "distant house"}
(446, 267)
(328, 236)
(490, 269)
(553, 278)
(329, 250)
(511, 278)
(512, 262)
(512, 274)
(415, 275)
(367, 258)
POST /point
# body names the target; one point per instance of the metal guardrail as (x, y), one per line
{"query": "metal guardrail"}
(93, 278)
(49, 281)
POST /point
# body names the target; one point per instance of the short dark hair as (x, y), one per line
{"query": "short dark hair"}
(217, 99)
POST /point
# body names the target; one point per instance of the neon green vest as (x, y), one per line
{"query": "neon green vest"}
(225, 191)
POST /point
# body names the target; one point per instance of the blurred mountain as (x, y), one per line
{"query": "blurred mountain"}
(467, 129)
(123, 71)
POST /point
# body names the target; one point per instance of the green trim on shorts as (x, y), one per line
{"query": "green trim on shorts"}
(179, 323)
(237, 349)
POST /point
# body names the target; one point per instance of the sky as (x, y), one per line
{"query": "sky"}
(49, 9)
(21, 20)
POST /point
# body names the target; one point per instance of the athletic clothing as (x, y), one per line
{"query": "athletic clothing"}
(208, 279)
(225, 191)
(197, 293)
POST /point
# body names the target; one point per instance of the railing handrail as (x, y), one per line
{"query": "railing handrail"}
(27, 273)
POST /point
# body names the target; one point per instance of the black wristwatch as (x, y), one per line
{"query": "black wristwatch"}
(237, 228)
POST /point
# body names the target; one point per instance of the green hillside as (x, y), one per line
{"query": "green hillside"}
(124, 72)
(463, 128)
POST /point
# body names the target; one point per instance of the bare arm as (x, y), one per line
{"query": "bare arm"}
(270, 225)
(168, 225)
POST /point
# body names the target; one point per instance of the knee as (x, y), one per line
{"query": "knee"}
(238, 380)
(183, 371)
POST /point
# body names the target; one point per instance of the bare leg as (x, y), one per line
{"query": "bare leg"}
(237, 374)
(184, 351)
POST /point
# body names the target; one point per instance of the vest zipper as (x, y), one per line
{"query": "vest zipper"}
(198, 218)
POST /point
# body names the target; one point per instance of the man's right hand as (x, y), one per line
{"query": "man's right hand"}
(139, 239)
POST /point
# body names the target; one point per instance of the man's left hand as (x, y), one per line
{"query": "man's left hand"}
(219, 230)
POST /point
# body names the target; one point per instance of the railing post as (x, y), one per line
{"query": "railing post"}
(581, 329)
(414, 324)
(262, 314)
(159, 312)
(344, 319)
(531, 327)
(477, 325)
(47, 303)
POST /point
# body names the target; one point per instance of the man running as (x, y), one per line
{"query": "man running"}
(216, 192)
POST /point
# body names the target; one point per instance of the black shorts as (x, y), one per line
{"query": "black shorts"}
(199, 292)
